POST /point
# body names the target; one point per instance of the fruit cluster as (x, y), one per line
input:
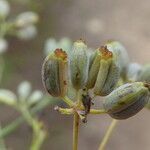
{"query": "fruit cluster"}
(105, 71)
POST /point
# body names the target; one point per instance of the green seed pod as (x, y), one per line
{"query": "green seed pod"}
(108, 73)
(79, 64)
(55, 73)
(121, 55)
(94, 64)
(133, 72)
(127, 100)
(145, 74)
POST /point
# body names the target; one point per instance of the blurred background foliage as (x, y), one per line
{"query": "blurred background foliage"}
(95, 21)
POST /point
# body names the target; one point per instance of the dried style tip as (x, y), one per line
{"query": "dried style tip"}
(55, 73)
(59, 53)
(105, 53)
(108, 73)
(79, 64)
(127, 100)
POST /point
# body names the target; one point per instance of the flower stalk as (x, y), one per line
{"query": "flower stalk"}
(39, 133)
(108, 134)
(75, 131)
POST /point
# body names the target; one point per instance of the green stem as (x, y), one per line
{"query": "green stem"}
(64, 111)
(97, 111)
(79, 102)
(15, 124)
(108, 134)
(75, 131)
(76, 124)
(1, 68)
(70, 111)
(2, 143)
(68, 101)
(38, 139)
(38, 133)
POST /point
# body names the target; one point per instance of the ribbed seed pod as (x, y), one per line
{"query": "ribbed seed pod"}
(55, 73)
(108, 73)
(94, 64)
(127, 100)
(79, 64)
(121, 55)
(145, 74)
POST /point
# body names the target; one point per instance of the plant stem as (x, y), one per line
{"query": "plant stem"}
(1, 68)
(107, 134)
(11, 127)
(79, 102)
(15, 124)
(97, 111)
(2, 143)
(64, 111)
(38, 139)
(70, 111)
(68, 101)
(38, 133)
(75, 131)
(76, 124)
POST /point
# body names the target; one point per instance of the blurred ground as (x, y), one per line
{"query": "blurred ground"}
(96, 21)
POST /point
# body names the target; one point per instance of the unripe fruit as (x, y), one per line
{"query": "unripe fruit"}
(79, 64)
(145, 74)
(127, 100)
(134, 69)
(121, 55)
(55, 73)
(108, 73)
(94, 64)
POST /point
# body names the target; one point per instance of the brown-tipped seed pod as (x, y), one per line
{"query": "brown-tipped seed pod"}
(108, 73)
(55, 73)
(144, 75)
(127, 100)
(121, 55)
(79, 64)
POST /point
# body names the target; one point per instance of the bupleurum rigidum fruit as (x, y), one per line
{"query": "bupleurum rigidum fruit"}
(121, 55)
(134, 69)
(127, 100)
(144, 74)
(79, 64)
(108, 73)
(94, 65)
(55, 73)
